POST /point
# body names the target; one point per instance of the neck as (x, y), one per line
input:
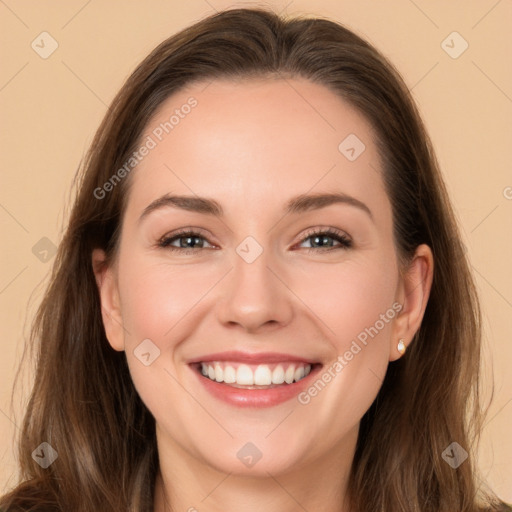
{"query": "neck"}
(187, 484)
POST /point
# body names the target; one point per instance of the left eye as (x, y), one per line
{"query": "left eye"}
(319, 240)
(322, 237)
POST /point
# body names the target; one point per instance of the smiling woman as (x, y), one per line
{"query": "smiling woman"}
(274, 303)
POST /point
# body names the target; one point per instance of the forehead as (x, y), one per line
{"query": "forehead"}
(248, 141)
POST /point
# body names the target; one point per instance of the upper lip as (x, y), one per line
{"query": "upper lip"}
(252, 358)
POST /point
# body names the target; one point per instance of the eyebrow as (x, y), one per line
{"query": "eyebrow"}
(296, 205)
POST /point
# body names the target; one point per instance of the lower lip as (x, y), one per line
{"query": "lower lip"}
(255, 397)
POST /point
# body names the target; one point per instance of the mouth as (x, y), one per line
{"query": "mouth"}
(254, 376)
(256, 380)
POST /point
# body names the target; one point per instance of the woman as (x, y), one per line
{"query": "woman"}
(261, 299)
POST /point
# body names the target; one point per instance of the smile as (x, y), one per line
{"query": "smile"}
(256, 376)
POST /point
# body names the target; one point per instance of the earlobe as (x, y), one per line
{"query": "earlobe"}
(414, 292)
(109, 298)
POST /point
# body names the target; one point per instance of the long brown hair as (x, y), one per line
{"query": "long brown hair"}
(84, 403)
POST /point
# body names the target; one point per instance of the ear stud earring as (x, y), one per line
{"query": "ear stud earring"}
(401, 346)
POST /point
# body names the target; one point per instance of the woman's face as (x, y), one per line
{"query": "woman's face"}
(260, 278)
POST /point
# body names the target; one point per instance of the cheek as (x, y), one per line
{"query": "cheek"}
(345, 299)
(158, 304)
(350, 298)
(156, 297)
(355, 302)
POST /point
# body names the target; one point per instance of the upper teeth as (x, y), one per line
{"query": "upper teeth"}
(259, 375)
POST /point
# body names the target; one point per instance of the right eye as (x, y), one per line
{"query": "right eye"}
(185, 238)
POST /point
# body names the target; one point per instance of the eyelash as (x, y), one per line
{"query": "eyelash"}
(344, 241)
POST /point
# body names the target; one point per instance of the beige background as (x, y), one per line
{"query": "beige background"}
(51, 107)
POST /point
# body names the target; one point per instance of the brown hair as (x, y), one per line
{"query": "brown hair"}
(83, 401)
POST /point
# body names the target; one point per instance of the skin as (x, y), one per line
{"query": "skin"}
(251, 146)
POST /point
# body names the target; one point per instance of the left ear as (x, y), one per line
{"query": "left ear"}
(413, 293)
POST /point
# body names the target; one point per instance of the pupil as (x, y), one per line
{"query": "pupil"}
(322, 238)
(189, 240)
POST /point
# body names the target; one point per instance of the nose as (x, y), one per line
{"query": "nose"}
(255, 296)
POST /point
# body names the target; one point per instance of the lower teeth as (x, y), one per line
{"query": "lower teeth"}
(242, 386)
